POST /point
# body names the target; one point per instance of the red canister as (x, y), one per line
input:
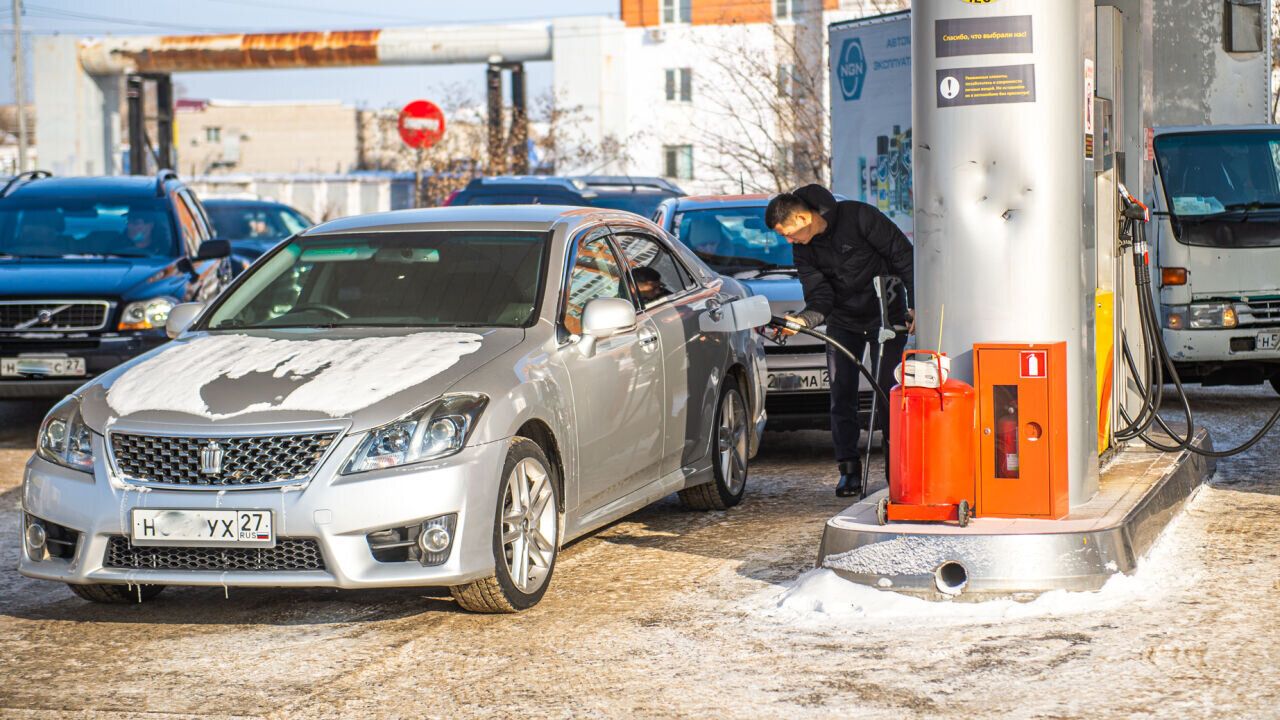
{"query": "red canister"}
(931, 450)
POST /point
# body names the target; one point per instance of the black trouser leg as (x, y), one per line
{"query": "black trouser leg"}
(846, 380)
(844, 392)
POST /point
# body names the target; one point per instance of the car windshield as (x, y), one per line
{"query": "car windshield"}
(421, 279)
(72, 228)
(255, 221)
(640, 201)
(1222, 177)
(733, 240)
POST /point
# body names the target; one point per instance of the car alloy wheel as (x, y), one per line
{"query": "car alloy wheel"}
(732, 442)
(529, 525)
(526, 535)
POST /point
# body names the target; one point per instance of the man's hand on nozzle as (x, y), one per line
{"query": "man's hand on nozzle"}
(793, 319)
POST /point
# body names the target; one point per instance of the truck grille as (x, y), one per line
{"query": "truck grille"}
(288, 554)
(53, 315)
(253, 461)
(1259, 312)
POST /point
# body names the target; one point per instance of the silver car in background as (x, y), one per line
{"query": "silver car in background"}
(728, 233)
(418, 398)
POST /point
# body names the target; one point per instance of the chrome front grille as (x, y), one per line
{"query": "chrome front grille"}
(53, 315)
(1259, 313)
(246, 461)
(288, 554)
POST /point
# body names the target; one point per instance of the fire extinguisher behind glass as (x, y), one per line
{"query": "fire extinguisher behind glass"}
(1007, 443)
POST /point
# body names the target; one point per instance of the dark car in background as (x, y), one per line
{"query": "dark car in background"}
(639, 195)
(728, 233)
(253, 226)
(90, 268)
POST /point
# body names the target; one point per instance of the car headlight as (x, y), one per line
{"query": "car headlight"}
(438, 429)
(64, 438)
(147, 314)
(1204, 316)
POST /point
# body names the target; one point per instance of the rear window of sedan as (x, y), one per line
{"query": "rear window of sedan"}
(421, 279)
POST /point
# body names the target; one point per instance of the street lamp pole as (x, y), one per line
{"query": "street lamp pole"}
(20, 84)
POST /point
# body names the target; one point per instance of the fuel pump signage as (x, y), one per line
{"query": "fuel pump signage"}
(1034, 364)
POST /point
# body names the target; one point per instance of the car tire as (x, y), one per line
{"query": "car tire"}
(117, 594)
(730, 464)
(524, 557)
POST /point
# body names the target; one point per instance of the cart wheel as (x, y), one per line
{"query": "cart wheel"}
(963, 513)
(882, 511)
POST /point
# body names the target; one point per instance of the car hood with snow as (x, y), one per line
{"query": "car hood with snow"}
(224, 379)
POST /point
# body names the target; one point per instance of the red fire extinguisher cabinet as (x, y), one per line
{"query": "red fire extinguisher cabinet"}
(931, 463)
(1022, 429)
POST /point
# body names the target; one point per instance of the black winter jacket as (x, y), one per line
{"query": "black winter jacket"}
(837, 266)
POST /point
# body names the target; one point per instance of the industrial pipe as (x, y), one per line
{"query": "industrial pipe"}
(525, 42)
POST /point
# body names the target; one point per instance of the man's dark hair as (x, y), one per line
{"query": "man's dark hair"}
(782, 207)
(646, 274)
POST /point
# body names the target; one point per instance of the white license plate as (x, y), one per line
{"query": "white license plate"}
(46, 366)
(203, 528)
(799, 380)
(1268, 341)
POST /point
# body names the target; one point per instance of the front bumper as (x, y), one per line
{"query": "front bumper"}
(336, 511)
(101, 353)
(1239, 343)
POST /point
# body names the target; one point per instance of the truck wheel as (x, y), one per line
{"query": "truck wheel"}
(526, 535)
(730, 461)
(116, 594)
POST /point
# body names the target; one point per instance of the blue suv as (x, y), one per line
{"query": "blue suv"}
(90, 268)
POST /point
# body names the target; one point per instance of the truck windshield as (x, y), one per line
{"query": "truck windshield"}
(1222, 186)
(420, 279)
(70, 228)
(733, 240)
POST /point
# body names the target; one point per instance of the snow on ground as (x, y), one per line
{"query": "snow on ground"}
(332, 376)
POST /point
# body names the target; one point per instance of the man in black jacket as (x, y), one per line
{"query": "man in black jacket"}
(839, 247)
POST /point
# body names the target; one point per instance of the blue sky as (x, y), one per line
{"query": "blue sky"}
(373, 87)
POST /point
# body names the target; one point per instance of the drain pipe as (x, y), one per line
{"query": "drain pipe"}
(951, 578)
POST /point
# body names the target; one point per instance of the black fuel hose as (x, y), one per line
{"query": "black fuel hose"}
(1160, 365)
(785, 324)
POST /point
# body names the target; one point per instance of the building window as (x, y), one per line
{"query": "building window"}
(677, 11)
(678, 161)
(213, 134)
(679, 84)
(786, 80)
(782, 9)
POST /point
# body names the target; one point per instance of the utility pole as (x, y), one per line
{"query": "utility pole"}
(20, 84)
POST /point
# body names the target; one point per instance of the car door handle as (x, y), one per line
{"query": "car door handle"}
(648, 338)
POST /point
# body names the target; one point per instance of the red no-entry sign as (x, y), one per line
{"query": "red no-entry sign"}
(421, 124)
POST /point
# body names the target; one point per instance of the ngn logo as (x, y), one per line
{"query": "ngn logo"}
(852, 69)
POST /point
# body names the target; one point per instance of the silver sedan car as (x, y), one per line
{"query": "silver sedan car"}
(418, 398)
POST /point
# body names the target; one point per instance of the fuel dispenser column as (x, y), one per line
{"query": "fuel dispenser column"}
(1004, 198)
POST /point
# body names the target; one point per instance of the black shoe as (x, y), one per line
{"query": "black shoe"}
(850, 484)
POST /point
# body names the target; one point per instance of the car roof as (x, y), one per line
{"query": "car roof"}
(704, 202)
(114, 186)
(240, 202)
(506, 181)
(1168, 130)
(534, 218)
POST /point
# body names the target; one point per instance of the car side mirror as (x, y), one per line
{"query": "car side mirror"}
(181, 317)
(213, 250)
(606, 317)
(603, 318)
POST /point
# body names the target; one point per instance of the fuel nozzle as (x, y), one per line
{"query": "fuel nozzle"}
(780, 328)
